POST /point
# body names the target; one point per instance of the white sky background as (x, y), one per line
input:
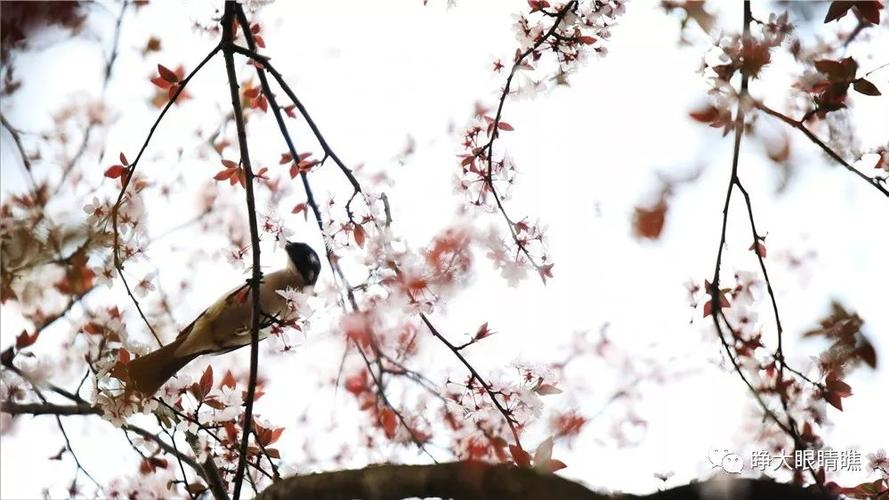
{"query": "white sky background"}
(374, 73)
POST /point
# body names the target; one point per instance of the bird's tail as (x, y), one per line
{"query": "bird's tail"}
(148, 373)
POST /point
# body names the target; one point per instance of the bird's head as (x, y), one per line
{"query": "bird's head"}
(304, 260)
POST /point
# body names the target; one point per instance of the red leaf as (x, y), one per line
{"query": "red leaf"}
(759, 247)
(538, 5)
(649, 222)
(25, 340)
(483, 331)
(252, 93)
(300, 207)
(115, 171)
(275, 435)
(842, 71)
(167, 74)
(229, 164)
(206, 383)
(123, 159)
(708, 306)
(835, 391)
(356, 384)
(834, 400)
(214, 403)
(160, 82)
(588, 40)
(865, 87)
(260, 42)
(838, 386)
(867, 353)
(870, 11)
(228, 380)
(705, 115)
(504, 126)
(556, 464)
(360, 235)
(837, 10)
(225, 174)
(255, 28)
(521, 457)
(285, 158)
(389, 421)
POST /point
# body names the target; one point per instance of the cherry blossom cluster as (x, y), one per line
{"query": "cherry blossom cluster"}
(552, 41)
(350, 224)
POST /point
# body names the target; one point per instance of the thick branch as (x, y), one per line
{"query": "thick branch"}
(207, 471)
(458, 480)
(256, 314)
(482, 481)
(48, 409)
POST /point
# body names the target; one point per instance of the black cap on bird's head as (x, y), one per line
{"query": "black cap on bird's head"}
(304, 260)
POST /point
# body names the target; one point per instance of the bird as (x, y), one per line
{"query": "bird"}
(225, 325)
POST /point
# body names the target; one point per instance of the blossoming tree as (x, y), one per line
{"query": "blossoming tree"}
(80, 265)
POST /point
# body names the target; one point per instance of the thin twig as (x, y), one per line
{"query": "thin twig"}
(262, 64)
(310, 198)
(488, 149)
(128, 176)
(26, 162)
(797, 124)
(172, 436)
(790, 427)
(294, 154)
(503, 411)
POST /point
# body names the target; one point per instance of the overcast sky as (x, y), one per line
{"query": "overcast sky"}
(375, 74)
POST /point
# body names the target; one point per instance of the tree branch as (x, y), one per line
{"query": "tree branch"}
(256, 315)
(128, 176)
(262, 64)
(458, 480)
(493, 397)
(715, 294)
(797, 124)
(488, 149)
(48, 409)
(207, 470)
(471, 480)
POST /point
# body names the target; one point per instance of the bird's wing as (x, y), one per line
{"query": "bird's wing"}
(226, 324)
(243, 290)
(201, 336)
